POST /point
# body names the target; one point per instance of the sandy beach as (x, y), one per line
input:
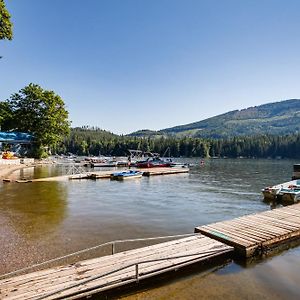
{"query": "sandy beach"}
(6, 170)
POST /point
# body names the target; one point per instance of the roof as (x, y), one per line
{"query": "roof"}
(15, 137)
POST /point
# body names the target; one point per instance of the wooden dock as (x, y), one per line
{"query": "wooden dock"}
(97, 275)
(247, 236)
(257, 233)
(163, 171)
(103, 175)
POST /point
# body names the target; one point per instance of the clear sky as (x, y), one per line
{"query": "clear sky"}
(124, 65)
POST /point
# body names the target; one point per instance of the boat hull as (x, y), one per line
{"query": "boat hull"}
(126, 175)
(290, 196)
(287, 191)
(152, 165)
(129, 177)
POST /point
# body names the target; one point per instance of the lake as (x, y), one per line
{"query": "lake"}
(42, 220)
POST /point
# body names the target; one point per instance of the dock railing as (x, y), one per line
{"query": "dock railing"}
(136, 277)
(109, 243)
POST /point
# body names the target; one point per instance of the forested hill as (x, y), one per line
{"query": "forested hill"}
(278, 118)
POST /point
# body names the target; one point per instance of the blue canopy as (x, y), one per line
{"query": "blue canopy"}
(15, 137)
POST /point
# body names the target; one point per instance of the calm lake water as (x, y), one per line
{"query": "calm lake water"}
(42, 220)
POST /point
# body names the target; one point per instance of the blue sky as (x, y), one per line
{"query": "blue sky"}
(124, 65)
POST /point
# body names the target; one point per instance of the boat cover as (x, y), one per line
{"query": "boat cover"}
(15, 137)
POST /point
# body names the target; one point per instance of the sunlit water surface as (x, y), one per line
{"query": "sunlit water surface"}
(42, 220)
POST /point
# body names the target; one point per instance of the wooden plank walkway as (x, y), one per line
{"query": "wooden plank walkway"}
(163, 171)
(95, 275)
(256, 233)
(104, 174)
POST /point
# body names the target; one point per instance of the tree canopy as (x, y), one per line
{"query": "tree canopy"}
(39, 112)
(5, 116)
(94, 141)
(5, 23)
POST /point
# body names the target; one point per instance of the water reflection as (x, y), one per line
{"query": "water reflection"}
(34, 209)
(30, 216)
(48, 219)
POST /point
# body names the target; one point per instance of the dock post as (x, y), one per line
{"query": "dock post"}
(137, 272)
(113, 248)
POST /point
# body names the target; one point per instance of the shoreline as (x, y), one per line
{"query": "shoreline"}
(7, 170)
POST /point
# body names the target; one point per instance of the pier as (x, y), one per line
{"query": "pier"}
(163, 171)
(92, 276)
(257, 233)
(245, 236)
(103, 175)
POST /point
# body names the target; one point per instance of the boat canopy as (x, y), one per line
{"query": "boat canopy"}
(15, 137)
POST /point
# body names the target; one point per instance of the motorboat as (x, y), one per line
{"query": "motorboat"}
(129, 174)
(276, 191)
(104, 164)
(271, 192)
(290, 194)
(153, 162)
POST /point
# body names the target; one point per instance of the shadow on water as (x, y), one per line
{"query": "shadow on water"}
(252, 262)
(272, 276)
(184, 281)
(201, 269)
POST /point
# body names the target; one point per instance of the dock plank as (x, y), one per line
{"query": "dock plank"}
(105, 263)
(85, 277)
(256, 233)
(248, 232)
(106, 174)
(163, 171)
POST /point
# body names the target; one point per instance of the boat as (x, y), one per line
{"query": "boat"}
(271, 192)
(153, 162)
(277, 191)
(100, 162)
(130, 174)
(291, 193)
(105, 164)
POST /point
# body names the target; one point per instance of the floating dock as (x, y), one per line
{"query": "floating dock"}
(103, 175)
(163, 171)
(92, 276)
(257, 233)
(246, 236)
(146, 172)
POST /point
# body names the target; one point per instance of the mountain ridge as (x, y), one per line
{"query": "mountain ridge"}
(278, 118)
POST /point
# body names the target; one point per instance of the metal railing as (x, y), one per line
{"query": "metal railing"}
(113, 251)
(136, 277)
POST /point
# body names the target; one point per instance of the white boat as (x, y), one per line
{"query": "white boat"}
(291, 193)
(273, 192)
(109, 163)
(130, 174)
